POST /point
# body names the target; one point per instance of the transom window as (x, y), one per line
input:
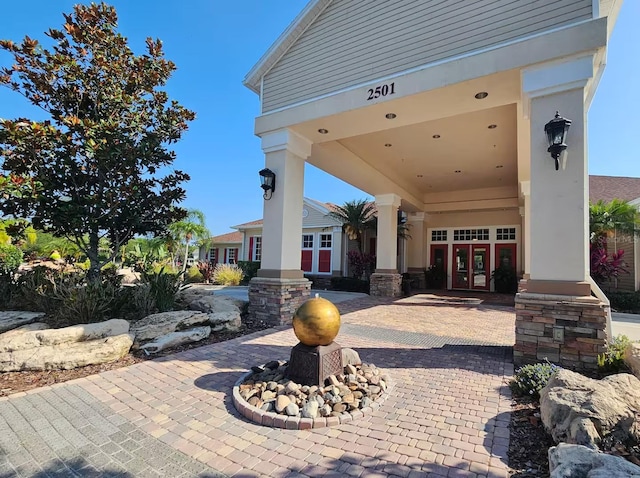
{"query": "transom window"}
(439, 236)
(257, 248)
(471, 234)
(307, 241)
(506, 234)
(325, 241)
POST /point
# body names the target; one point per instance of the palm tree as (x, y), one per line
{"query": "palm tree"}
(192, 227)
(356, 216)
(609, 219)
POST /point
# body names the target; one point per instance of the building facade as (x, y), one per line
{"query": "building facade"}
(439, 109)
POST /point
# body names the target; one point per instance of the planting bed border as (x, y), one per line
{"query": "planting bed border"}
(277, 420)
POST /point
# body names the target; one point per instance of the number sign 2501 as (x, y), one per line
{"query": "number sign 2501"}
(382, 90)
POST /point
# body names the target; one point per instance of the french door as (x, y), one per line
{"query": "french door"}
(471, 266)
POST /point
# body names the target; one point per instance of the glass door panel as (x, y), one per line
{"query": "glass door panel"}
(480, 278)
(461, 267)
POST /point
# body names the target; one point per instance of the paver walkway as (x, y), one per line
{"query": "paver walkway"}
(447, 415)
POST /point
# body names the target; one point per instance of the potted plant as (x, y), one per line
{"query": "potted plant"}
(505, 279)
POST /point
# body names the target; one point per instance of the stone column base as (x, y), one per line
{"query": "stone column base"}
(385, 285)
(566, 330)
(274, 301)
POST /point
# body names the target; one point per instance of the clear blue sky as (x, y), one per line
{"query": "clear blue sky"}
(215, 43)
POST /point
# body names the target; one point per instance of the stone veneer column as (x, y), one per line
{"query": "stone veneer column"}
(280, 286)
(556, 317)
(385, 281)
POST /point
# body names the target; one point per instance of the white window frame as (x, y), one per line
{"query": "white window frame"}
(235, 259)
(212, 254)
(256, 254)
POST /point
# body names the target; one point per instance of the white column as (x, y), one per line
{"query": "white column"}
(559, 222)
(285, 154)
(525, 189)
(387, 245)
(416, 245)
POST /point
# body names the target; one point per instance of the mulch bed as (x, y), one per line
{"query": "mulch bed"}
(14, 382)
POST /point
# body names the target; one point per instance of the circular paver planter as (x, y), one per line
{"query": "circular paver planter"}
(278, 420)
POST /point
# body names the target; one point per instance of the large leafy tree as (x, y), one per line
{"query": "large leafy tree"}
(102, 157)
(191, 228)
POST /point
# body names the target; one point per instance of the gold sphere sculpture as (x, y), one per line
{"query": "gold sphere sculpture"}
(316, 322)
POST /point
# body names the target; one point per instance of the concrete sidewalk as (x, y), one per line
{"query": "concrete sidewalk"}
(448, 414)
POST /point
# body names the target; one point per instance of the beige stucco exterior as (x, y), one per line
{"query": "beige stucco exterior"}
(440, 114)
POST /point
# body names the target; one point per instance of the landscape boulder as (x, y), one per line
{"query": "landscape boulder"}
(156, 325)
(67, 355)
(577, 461)
(580, 410)
(632, 358)
(173, 339)
(31, 339)
(11, 319)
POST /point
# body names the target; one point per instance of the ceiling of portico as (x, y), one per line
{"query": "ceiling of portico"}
(472, 151)
(378, 155)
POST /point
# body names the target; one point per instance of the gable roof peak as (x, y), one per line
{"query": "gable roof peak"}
(296, 28)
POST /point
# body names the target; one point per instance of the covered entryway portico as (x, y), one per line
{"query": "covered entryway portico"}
(454, 139)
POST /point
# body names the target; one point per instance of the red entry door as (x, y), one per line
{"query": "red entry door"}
(506, 255)
(439, 253)
(471, 266)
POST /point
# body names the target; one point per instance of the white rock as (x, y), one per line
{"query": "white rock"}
(229, 320)
(24, 328)
(350, 357)
(11, 319)
(173, 339)
(77, 333)
(67, 355)
(580, 410)
(310, 409)
(575, 461)
(163, 323)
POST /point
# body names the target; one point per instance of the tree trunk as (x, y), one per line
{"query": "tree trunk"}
(93, 274)
(186, 254)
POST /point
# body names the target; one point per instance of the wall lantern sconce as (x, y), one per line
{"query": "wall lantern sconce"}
(268, 180)
(556, 131)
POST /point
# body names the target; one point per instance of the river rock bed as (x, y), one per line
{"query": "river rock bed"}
(266, 396)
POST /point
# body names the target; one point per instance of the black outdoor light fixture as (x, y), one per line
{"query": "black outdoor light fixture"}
(556, 130)
(268, 180)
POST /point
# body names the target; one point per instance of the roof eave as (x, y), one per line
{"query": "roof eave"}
(295, 29)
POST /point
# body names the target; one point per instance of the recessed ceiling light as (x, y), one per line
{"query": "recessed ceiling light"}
(492, 126)
(482, 95)
(323, 131)
(387, 145)
(436, 136)
(457, 171)
(499, 166)
(390, 116)
(419, 175)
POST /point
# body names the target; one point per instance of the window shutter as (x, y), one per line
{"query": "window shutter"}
(307, 260)
(324, 261)
(251, 239)
(225, 256)
(236, 259)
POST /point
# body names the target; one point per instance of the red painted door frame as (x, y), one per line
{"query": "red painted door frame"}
(486, 266)
(432, 259)
(511, 245)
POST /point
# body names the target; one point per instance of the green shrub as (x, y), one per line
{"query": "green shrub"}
(193, 275)
(10, 259)
(141, 301)
(227, 274)
(624, 301)
(37, 289)
(612, 361)
(163, 287)
(350, 284)
(249, 269)
(81, 303)
(530, 379)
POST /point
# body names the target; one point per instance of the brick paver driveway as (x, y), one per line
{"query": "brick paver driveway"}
(447, 415)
